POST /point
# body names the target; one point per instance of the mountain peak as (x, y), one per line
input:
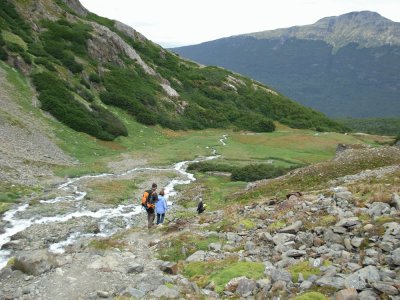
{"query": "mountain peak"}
(366, 28)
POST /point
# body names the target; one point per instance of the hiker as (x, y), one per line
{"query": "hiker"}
(161, 207)
(149, 201)
(201, 207)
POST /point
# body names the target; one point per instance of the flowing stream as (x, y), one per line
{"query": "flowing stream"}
(15, 224)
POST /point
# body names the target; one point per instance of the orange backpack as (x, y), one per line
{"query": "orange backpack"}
(148, 199)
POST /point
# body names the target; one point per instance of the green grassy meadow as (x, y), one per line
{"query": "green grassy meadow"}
(157, 146)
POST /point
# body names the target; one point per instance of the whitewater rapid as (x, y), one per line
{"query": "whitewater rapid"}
(15, 225)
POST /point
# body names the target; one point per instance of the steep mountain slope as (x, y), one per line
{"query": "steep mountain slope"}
(345, 66)
(92, 63)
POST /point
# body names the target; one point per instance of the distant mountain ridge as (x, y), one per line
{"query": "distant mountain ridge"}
(344, 66)
(366, 28)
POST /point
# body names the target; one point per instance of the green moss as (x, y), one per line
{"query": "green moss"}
(311, 296)
(304, 269)
(172, 249)
(246, 224)
(221, 272)
(276, 226)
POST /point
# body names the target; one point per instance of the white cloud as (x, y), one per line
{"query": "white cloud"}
(183, 22)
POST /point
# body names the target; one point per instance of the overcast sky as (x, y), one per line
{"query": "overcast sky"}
(185, 22)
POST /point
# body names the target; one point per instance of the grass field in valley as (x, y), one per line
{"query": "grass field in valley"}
(155, 146)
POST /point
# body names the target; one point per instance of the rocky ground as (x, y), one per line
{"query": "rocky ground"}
(335, 241)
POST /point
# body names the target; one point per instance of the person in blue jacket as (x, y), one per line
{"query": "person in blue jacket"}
(161, 207)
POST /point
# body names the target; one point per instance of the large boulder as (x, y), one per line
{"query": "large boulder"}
(34, 262)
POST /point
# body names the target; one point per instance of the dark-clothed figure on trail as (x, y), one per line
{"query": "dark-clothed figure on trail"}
(149, 201)
(201, 207)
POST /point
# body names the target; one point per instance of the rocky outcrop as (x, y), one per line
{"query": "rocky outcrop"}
(77, 7)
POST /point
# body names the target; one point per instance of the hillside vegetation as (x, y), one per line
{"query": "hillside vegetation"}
(82, 65)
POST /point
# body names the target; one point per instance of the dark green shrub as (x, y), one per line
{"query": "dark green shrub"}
(45, 62)
(109, 122)
(60, 102)
(208, 166)
(69, 61)
(85, 94)
(3, 54)
(11, 20)
(257, 172)
(26, 57)
(36, 49)
(132, 106)
(85, 83)
(15, 48)
(2, 42)
(93, 77)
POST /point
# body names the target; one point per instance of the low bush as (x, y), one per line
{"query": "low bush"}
(208, 166)
(257, 172)
(93, 77)
(60, 102)
(3, 54)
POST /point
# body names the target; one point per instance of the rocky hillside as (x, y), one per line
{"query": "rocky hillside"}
(95, 65)
(344, 66)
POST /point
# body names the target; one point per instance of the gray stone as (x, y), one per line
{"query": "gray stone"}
(197, 256)
(331, 237)
(33, 263)
(348, 222)
(132, 292)
(305, 285)
(386, 288)
(368, 295)
(233, 237)
(396, 201)
(135, 268)
(339, 229)
(347, 294)
(362, 278)
(282, 238)
(293, 228)
(215, 247)
(334, 281)
(347, 244)
(357, 241)
(305, 238)
(249, 246)
(166, 293)
(378, 208)
(343, 195)
(246, 287)
(281, 275)
(103, 294)
(295, 253)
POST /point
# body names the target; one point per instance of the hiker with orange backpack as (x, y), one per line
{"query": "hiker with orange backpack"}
(149, 201)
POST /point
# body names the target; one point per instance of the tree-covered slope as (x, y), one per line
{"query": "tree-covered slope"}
(82, 64)
(345, 66)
